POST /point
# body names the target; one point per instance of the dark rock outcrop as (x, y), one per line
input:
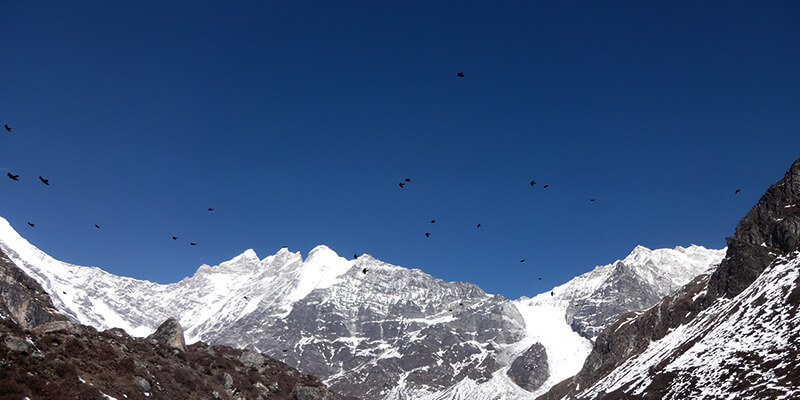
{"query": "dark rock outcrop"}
(22, 299)
(771, 229)
(529, 371)
(169, 333)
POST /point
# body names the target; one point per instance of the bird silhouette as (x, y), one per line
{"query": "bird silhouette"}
(552, 293)
(13, 177)
(8, 128)
(433, 221)
(427, 234)
(245, 297)
(45, 181)
(31, 225)
(97, 226)
(591, 199)
(174, 238)
(545, 186)
(210, 209)
(355, 256)
(364, 271)
(192, 244)
(63, 292)
(460, 74)
(407, 179)
(401, 184)
(522, 261)
(738, 190)
(533, 183)
(540, 278)
(479, 225)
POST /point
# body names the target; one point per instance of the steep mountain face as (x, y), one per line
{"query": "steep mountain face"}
(733, 334)
(390, 333)
(44, 356)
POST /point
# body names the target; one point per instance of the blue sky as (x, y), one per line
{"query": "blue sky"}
(296, 121)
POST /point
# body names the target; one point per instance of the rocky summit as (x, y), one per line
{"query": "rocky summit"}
(371, 329)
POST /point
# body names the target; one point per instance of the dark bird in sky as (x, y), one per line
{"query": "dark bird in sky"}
(401, 184)
(8, 128)
(30, 224)
(97, 226)
(540, 278)
(407, 179)
(433, 221)
(522, 261)
(460, 74)
(591, 199)
(174, 238)
(210, 209)
(13, 177)
(364, 271)
(427, 234)
(192, 244)
(45, 181)
(533, 183)
(545, 186)
(355, 256)
(738, 190)
(479, 225)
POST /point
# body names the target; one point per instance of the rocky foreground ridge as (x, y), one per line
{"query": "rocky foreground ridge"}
(45, 356)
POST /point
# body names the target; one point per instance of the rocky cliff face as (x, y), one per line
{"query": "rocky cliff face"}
(720, 335)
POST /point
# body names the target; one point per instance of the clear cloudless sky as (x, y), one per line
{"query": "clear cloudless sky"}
(296, 120)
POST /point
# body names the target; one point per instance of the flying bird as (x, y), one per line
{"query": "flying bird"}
(13, 177)
(245, 297)
(545, 186)
(355, 256)
(31, 225)
(540, 278)
(407, 179)
(97, 226)
(522, 261)
(210, 209)
(401, 184)
(433, 221)
(479, 225)
(192, 244)
(45, 181)
(174, 238)
(738, 190)
(591, 199)
(460, 74)
(427, 234)
(533, 183)
(364, 271)
(8, 128)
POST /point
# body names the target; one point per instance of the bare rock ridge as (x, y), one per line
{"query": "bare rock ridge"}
(44, 356)
(169, 333)
(763, 249)
(769, 230)
(22, 299)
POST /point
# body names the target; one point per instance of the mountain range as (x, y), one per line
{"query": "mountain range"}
(371, 329)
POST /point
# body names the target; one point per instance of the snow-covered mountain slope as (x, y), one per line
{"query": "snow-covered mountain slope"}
(392, 333)
(748, 346)
(731, 334)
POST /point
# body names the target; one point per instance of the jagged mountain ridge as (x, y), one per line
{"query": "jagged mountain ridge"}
(44, 356)
(733, 334)
(392, 333)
